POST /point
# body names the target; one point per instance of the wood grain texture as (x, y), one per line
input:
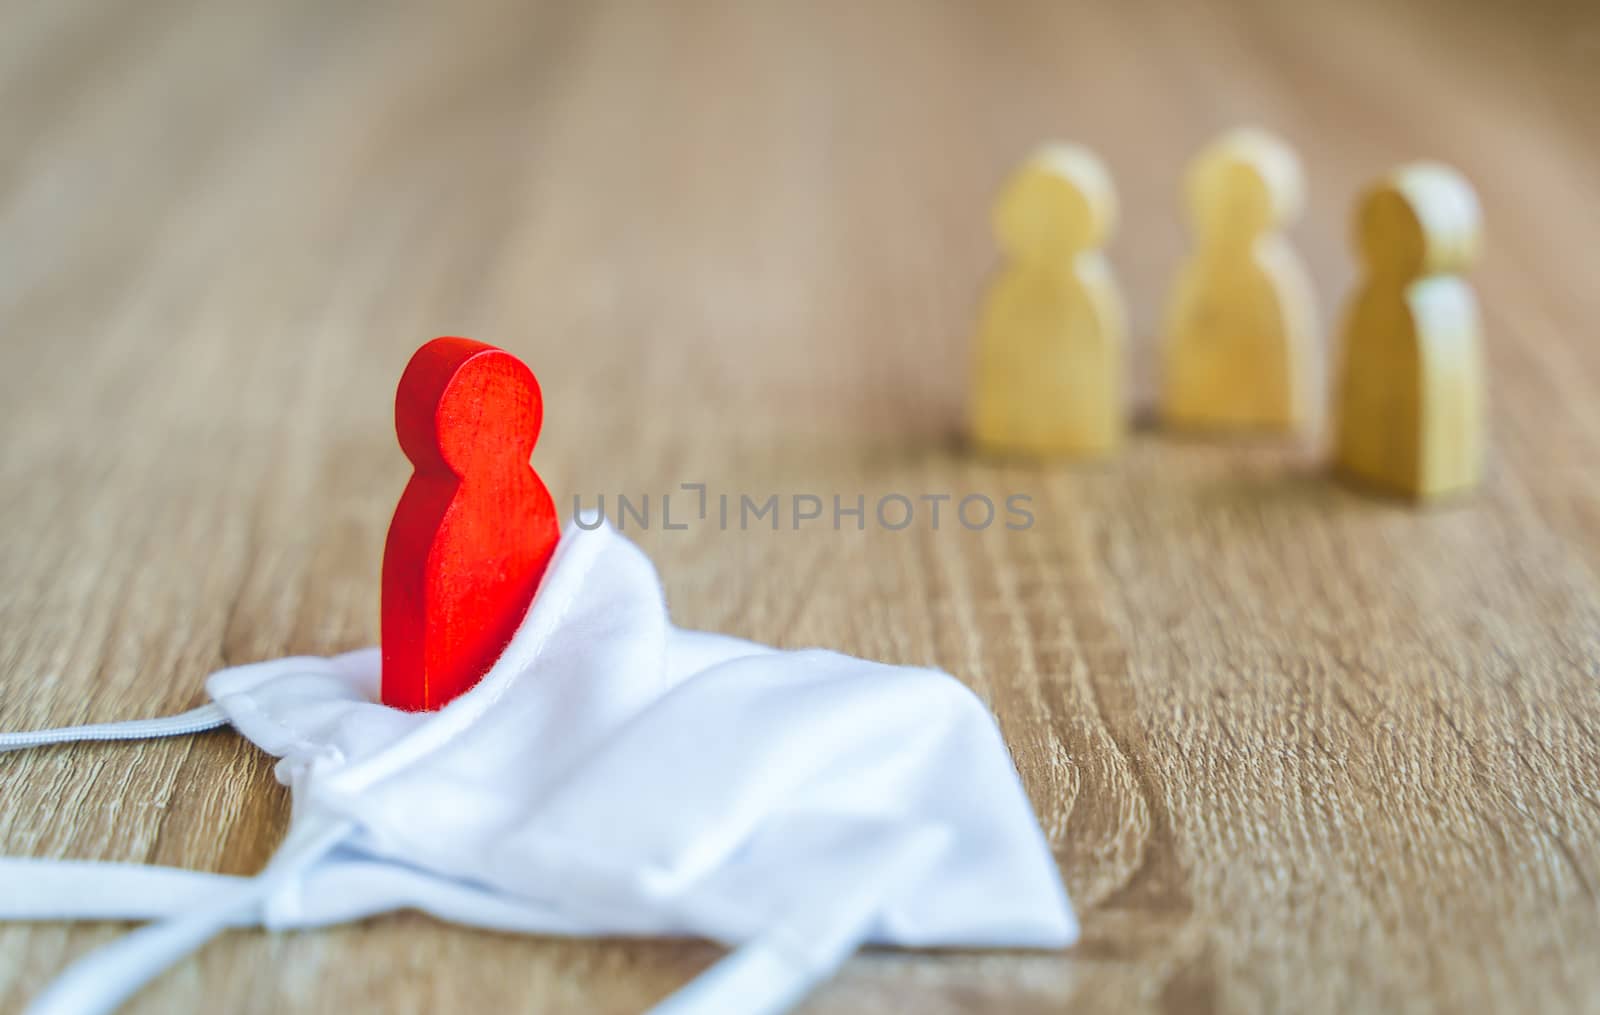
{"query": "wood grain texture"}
(1295, 749)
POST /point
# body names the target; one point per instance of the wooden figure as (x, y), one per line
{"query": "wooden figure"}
(1410, 398)
(1239, 336)
(475, 526)
(1049, 375)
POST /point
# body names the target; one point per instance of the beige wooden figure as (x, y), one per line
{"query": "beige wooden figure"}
(1410, 399)
(1049, 374)
(1239, 344)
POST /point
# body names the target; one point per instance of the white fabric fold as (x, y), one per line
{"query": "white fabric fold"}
(614, 775)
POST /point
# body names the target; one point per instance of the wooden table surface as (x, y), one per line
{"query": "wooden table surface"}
(1295, 749)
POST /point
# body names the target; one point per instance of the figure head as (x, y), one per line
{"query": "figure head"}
(1060, 202)
(1422, 219)
(1245, 183)
(465, 405)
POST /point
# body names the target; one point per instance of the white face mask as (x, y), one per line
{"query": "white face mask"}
(611, 775)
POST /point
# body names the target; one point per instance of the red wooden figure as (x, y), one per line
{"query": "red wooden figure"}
(475, 526)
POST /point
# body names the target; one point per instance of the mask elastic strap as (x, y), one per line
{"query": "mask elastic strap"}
(106, 977)
(772, 972)
(196, 906)
(206, 717)
(33, 889)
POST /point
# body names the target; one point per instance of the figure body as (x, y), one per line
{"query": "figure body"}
(1049, 374)
(1410, 398)
(1239, 349)
(475, 527)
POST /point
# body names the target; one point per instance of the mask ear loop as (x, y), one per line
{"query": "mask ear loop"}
(772, 972)
(196, 720)
(104, 978)
(32, 889)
